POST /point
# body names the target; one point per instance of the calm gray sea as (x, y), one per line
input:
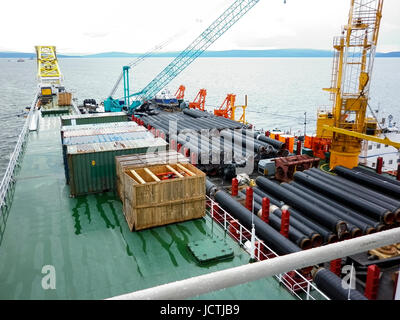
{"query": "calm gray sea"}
(280, 90)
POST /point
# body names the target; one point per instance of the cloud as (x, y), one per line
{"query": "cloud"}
(96, 34)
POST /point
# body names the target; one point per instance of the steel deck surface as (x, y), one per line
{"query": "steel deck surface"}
(87, 240)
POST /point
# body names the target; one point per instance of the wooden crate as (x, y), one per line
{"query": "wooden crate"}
(150, 203)
(141, 160)
(64, 98)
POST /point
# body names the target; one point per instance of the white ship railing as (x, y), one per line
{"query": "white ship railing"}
(294, 281)
(8, 181)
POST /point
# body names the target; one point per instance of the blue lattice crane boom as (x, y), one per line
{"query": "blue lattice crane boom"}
(226, 20)
(137, 61)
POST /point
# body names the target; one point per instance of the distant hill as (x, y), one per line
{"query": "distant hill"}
(226, 54)
(277, 53)
(394, 54)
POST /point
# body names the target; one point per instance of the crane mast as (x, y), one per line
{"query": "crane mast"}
(226, 20)
(351, 77)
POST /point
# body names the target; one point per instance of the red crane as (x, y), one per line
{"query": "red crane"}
(225, 110)
(180, 93)
(199, 101)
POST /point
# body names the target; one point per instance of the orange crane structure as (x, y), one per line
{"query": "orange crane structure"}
(180, 93)
(228, 108)
(200, 100)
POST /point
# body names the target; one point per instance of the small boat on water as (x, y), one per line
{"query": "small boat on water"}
(166, 99)
(20, 60)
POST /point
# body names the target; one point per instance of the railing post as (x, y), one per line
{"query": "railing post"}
(336, 266)
(234, 189)
(372, 284)
(225, 220)
(265, 210)
(285, 223)
(398, 173)
(298, 149)
(379, 165)
(308, 290)
(249, 199)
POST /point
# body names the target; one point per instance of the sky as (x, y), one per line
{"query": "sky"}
(93, 26)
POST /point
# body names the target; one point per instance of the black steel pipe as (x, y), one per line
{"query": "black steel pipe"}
(316, 239)
(265, 232)
(239, 139)
(195, 113)
(357, 190)
(357, 186)
(211, 188)
(328, 236)
(332, 222)
(371, 209)
(355, 225)
(295, 235)
(376, 175)
(367, 180)
(332, 286)
(275, 143)
(368, 221)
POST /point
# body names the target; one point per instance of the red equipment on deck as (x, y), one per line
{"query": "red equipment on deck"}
(285, 167)
(225, 110)
(180, 93)
(200, 100)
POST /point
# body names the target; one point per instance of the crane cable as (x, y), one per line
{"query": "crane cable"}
(156, 48)
(141, 58)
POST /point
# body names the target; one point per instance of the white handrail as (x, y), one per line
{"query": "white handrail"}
(286, 279)
(9, 174)
(214, 281)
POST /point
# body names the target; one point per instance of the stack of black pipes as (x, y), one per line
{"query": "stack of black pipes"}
(325, 279)
(196, 131)
(333, 203)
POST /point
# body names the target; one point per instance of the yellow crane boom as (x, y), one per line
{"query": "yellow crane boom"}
(47, 65)
(346, 125)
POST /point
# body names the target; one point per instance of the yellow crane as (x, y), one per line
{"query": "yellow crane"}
(347, 125)
(48, 69)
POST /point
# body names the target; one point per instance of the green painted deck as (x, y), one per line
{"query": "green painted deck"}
(88, 242)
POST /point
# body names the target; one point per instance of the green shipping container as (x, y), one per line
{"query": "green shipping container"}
(91, 167)
(104, 117)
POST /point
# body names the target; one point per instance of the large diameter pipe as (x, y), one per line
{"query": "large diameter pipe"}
(275, 143)
(211, 188)
(330, 221)
(265, 232)
(328, 236)
(371, 223)
(236, 139)
(214, 281)
(332, 286)
(373, 174)
(357, 192)
(370, 181)
(371, 209)
(295, 235)
(352, 222)
(315, 237)
(372, 193)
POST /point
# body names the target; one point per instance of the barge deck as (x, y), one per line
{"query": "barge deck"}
(87, 239)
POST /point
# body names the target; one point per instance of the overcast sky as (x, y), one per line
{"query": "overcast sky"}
(91, 26)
